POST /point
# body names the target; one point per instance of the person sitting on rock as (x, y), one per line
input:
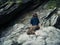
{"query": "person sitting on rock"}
(35, 22)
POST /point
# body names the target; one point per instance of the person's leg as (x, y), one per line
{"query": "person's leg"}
(37, 27)
(31, 30)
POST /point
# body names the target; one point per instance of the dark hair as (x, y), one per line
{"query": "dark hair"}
(35, 15)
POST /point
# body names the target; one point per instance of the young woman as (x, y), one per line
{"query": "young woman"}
(35, 22)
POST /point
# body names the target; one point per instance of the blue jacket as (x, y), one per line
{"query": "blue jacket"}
(34, 21)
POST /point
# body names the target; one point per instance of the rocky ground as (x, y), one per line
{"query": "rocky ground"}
(46, 35)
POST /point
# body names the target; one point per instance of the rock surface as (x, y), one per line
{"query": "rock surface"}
(44, 36)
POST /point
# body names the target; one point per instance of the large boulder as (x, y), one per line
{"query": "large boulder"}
(44, 36)
(57, 24)
(48, 35)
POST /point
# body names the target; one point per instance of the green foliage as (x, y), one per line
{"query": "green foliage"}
(58, 3)
(51, 4)
(19, 1)
(16, 1)
(0, 3)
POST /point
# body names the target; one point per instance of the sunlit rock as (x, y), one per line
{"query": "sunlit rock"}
(58, 11)
(1, 10)
(7, 42)
(22, 38)
(43, 36)
(53, 37)
(54, 19)
(57, 24)
(34, 42)
(46, 35)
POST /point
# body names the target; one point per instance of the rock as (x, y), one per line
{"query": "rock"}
(58, 12)
(54, 19)
(14, 43)
(8, 6)
(34, 42)
(57, 24)
(1, 10)
(22, 38)
(16, 26)
(53, 37)
(41, 33)
(8, 42)
(45, 36)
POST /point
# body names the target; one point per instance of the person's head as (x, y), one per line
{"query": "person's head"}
(35, 15)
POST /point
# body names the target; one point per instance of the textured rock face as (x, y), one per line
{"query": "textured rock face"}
(44, 36)
(9, 42)
(49, 36)
(57, 24)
